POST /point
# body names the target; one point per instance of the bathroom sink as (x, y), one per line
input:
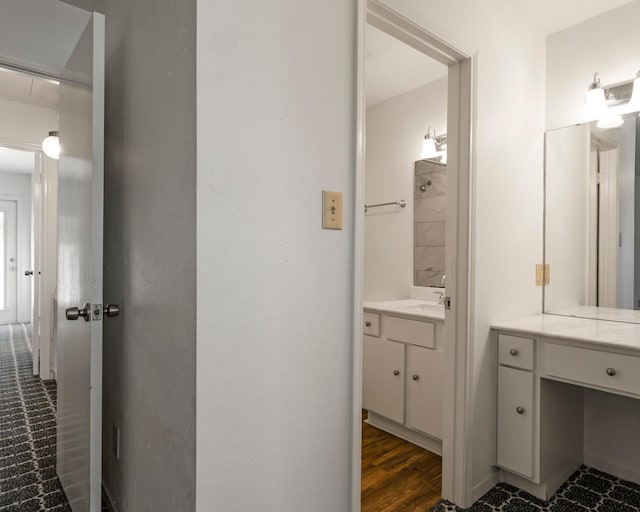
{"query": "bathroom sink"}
(433, 308)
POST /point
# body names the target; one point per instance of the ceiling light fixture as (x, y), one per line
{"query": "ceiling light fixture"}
(594, 102)
(51, 145)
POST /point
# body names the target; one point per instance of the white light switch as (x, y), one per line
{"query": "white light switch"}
(331, 210)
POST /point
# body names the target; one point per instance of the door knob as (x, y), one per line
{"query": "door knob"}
(75, 313)
(111, 310)
(28, 272)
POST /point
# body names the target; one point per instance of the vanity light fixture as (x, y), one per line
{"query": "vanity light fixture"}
(606, 123)
(594, 102)
(51, 145)
(429, 149)
(434, 146)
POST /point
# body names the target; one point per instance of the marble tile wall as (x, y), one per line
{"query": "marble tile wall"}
(429, 222)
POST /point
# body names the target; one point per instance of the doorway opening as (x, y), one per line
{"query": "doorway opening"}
(411, 416)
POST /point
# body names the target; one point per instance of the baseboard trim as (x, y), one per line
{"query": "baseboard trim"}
(612, 467)
(422, 440)
(483, 487)
(106, 498)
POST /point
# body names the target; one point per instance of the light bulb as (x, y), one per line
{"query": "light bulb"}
(607, 123)
(429, 148)
(635, 95)
(51, 145)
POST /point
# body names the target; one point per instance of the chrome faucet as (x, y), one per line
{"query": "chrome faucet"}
(444, 278)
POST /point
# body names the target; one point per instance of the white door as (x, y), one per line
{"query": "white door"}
(80, 220)
(8, 262)
(425, 379)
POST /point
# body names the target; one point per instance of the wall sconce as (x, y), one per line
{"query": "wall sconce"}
(434, 146)
(51, 145)
(606, 104)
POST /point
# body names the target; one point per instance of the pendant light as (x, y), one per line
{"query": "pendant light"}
(594, 103)
(429, 149)
(51, 145)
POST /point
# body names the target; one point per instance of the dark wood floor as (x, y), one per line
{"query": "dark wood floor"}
(397, 476)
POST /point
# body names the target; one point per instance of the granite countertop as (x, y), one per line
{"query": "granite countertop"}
(415, 309)
(599, 332)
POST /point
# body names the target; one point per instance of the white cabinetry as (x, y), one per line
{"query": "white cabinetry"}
(403, 374)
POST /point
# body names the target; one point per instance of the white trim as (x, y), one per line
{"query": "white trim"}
(612, 467)
(457, 476)
(483, 487)
(412, 436)
(358, 263)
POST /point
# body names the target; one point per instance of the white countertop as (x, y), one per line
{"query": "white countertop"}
(598, 313)
(410, 308)
(600, 332)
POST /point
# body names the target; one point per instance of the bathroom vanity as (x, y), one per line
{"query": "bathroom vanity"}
(544, 365)
(403, 369)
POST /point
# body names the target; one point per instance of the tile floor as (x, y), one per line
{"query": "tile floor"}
(586, 490)
(28, 481)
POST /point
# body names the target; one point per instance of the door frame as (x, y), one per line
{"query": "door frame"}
(457, 485)
(42, 346)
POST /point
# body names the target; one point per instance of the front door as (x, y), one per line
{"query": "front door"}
(79, 293)
(8, 262)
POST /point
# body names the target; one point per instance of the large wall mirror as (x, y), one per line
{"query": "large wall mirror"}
(592, 220)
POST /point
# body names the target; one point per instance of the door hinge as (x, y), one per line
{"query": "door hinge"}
(447, 303)
(96, 312)
(599, 178)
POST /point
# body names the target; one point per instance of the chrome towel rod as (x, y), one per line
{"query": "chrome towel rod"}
(402, 203)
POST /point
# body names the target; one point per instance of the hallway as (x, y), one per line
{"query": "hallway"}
(28, 481)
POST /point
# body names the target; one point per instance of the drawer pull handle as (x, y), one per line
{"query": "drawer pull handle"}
(513, 352)
(416, 377)
(396, 372)
(520, 410)
(611, 372)
(368, 324)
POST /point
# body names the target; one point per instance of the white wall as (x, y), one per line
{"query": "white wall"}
(24, 123)
(508, 181)
(276, 125)
(18, 186)
(395, 131)
(608, 44)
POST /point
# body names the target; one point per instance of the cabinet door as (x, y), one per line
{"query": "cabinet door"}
(383, 378)
(425, 376)
(515, 420)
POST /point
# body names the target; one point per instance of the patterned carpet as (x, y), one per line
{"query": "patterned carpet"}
(28, 481)
(587, 489)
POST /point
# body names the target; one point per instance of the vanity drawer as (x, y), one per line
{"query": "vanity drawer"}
(410, 331)
(515, 351)
(371, 324)
(617, 372)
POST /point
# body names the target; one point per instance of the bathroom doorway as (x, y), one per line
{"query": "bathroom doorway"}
(410, 413)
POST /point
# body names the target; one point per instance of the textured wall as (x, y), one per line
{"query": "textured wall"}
(150, 229)
(276, 125)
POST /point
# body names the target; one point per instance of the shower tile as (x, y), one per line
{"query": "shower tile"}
(430, 233)
(435, 185)
(429, 258)
(431, 209)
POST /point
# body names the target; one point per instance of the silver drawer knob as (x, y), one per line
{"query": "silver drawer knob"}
(611, 372)
(396, 372)
(513, 352)
(416, 377)
(368, 324)
(520, 410)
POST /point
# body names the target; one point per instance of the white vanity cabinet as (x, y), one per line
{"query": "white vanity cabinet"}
(403, 374)
(543, 370)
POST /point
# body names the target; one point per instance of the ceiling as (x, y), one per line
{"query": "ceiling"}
(393, 68)
(39, 33)
(13, 160)
(554, 15)
(27, 89)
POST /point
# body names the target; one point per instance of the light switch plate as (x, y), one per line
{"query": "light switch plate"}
(543, 274)
(331, 210)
